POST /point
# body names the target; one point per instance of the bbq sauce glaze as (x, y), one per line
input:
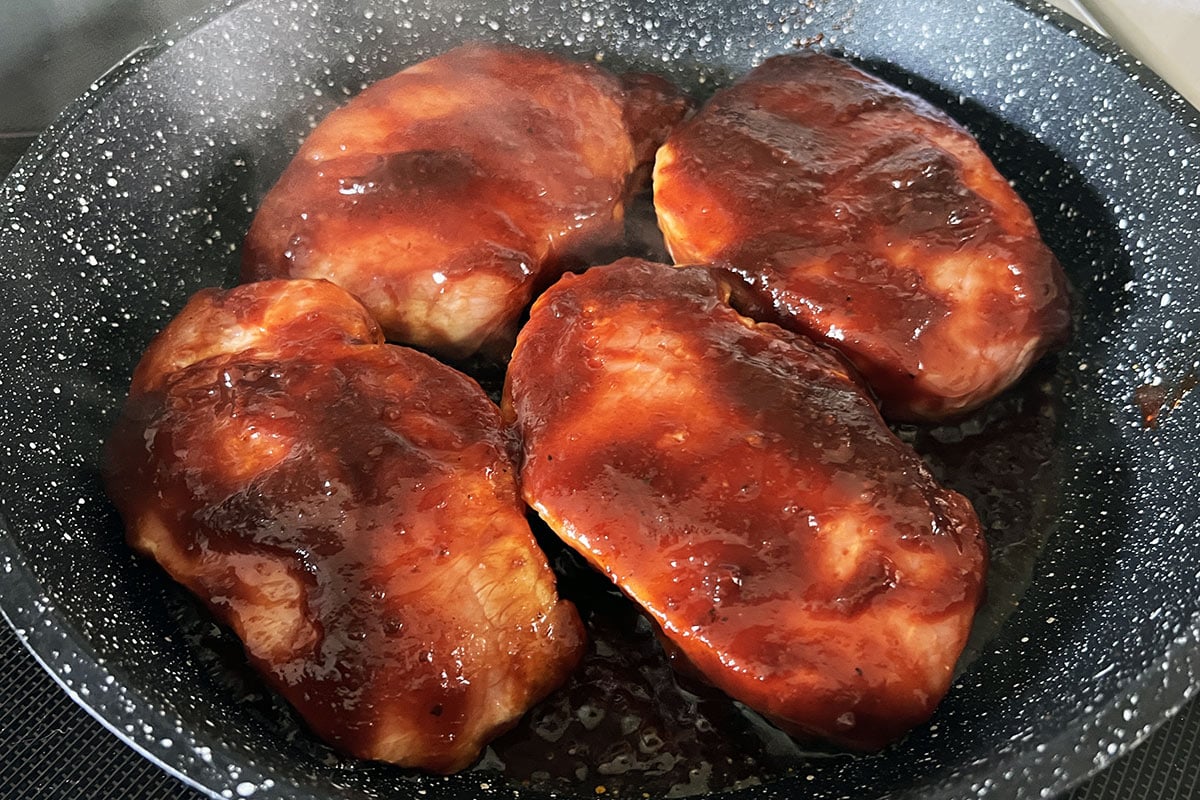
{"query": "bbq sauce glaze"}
(350, 509)
(626, 721)
(663, 732)
(738, 482)
(629, 722)
(860, 215)
(446, 196)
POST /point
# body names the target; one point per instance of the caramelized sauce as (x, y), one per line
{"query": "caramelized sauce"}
(351, 511)
(627, 722)
(662, 733)
(445, 196)
(737, 481)
(863, 217)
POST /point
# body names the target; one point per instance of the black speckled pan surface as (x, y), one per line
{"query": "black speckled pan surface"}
(139, 195)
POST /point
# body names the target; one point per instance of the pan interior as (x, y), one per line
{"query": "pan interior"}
(141, 193)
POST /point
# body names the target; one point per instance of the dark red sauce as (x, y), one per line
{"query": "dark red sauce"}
(626, 721)
(738, 482)
(445, 196)
(1156, 400)
(660, 731)
(350, 510)
(846, 204)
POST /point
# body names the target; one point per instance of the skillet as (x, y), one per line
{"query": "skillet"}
(140, 193)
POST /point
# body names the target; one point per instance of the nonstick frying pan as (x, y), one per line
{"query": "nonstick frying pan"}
(140, 193)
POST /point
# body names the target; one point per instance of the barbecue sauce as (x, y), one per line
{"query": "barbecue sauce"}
(861, 216)
(627, 722)
(626, 719)
(351, 511)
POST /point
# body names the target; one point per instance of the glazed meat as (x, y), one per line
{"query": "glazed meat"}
(736, 481)
(350, 509)
(445, 196)
(860, 215)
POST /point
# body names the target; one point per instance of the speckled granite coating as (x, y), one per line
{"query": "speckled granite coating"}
(140, 193)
